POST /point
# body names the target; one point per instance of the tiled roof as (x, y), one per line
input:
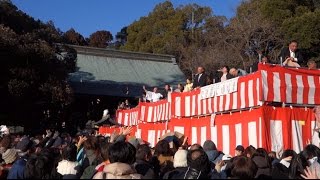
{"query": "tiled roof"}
(112, 72)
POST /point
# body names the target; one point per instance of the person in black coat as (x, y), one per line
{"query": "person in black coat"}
(292, 52)
(199, 166)
(142, 164)
(200, 79)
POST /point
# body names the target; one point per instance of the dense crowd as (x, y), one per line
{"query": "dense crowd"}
(88, 156)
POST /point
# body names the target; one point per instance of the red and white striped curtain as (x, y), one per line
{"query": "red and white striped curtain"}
(152, 132)
(155, 112)
(128, 117)
(228, 131)
(248, 95)
(275, 129)
(290, 85)
(290, 128)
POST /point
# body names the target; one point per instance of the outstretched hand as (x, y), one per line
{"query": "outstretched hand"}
(82, 139)
(114, 135)
(310, 174)
(219, 166)
(185, 141)
(127, 130)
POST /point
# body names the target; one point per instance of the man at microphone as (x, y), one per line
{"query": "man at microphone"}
(200, 79)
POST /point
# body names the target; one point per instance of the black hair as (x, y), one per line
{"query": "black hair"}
(143, 151)
(91, 143)
(227, 67)
(243, 168)
(288, 153)
(70, 153)
(42, 166)
(293, 41)
(311, 151)
(262, 153)
(297, 166)
(123, 152)
(198, 160)
(104, 150)
(249, 150)
(162, 148)
(196, 146)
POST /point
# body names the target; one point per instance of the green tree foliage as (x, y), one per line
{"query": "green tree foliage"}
(296, 19)
(259, 26)
(169, 30)
(122, 35)
(154, 33)
(100, 39)
(33, 68)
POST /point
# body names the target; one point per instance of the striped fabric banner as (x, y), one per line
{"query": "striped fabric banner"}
(128, 117)
(190, 103)
(290, 85)
(154, 112)
(275, 129)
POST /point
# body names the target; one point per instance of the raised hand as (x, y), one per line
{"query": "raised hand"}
(219, 166)
(310, 174)
(82, 139)
(114, 135)
(127, 130)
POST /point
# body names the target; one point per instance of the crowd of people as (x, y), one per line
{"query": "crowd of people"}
(88, 156)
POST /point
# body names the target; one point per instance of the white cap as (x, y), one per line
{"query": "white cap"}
(226, 157)
(105, 112)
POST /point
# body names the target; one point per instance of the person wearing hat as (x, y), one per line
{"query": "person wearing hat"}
(211, 150)
(220, 169)
(239, 150)
(23, 149)
(9, 156)
(179, 163)
(226, 159)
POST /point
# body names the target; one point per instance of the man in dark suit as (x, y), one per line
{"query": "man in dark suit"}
(200, 79)
(291, 54)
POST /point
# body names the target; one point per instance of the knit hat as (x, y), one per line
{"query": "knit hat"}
(9, 156)
(180, 159)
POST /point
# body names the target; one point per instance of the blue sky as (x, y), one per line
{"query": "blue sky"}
(88, 16)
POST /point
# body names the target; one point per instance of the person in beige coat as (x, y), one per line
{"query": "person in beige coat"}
(122, 156)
